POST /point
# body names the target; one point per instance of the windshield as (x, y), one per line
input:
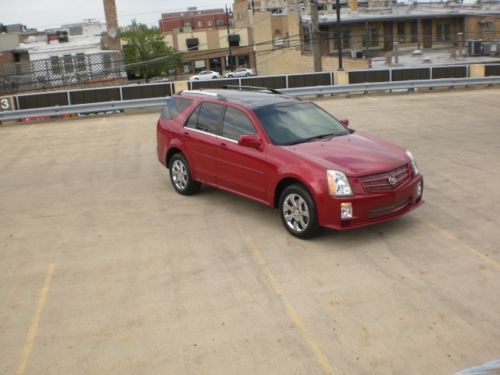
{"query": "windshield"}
(292, 123)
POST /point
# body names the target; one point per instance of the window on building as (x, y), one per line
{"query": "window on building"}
(243, 60)
(192, 44)
(233, 40)
(187, 68)
(236, 124)
(75, 30)
(230, 62)
(219, 23)
(199, 24)
(442, 32)
(371, 38)
(346, 39)
(187, 25)
(401, 32)
(488, 26)
(414, 32)
(209, 23)
(80, 62)
(68, 64)
(199, 65)
(107, 62)
(55, 65)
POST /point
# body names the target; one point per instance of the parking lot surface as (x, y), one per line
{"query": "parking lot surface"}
(106, 270)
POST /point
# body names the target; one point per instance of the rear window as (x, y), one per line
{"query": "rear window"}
(174, 106)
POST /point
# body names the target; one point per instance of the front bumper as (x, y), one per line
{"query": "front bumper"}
(371, 208)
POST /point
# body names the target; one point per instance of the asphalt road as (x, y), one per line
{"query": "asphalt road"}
(106, 270)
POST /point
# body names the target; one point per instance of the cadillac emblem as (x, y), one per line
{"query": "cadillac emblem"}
(392, 180)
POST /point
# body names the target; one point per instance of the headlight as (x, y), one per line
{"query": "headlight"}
(338, 184)
(413, 163)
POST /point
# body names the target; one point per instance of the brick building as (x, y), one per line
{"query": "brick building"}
(206, 41)
(194, 19)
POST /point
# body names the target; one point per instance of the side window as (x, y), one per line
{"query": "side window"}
(193, 119)
(208, 119)
(236, 123)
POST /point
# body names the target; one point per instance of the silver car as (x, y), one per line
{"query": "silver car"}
(204, 75)
(240, 72)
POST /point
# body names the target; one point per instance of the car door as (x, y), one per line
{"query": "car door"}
(240, 169)
(201, 141)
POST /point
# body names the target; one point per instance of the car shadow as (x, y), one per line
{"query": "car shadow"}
(270, 218)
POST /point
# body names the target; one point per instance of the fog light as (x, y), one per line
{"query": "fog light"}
(346, 210)
(419, 189)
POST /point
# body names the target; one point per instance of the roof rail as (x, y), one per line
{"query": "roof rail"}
(252, 88)
(200, 92)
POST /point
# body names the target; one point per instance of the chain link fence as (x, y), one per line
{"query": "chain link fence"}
(61, 71)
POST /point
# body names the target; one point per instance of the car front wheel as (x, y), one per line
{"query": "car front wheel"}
(180, 175)
(298, 211)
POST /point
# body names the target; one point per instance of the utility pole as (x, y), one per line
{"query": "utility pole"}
(228, 41)
(315, 36)
(339, 35)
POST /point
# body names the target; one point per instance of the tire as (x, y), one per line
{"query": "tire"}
(298, 212)
(214, 77)
(180, 175)
(230, 76)
(247, 75)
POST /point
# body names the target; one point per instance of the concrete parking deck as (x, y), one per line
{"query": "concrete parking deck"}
(106, 270)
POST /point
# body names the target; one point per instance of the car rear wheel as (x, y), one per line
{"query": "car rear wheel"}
(180, 175)
(298, 211)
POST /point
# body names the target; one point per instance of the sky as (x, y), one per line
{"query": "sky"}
(42, 14)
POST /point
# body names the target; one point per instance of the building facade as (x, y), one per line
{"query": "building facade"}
(369, 33)
(208, 41)
(71, 54)
(194, 19)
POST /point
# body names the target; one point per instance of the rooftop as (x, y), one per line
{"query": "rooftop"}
(402, 12)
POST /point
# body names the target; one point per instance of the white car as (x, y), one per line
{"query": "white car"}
(240, 72)
(204, 75)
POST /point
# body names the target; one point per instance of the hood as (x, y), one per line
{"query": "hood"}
(355, 154)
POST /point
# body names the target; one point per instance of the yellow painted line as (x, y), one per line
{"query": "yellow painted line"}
(30, 337)
(468, 247)
(297, 321)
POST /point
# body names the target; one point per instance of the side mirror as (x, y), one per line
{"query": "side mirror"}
(250, 141)
(345, 122)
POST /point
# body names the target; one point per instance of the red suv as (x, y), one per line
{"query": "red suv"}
(286, 153)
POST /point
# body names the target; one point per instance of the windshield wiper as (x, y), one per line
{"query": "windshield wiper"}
(309, 139)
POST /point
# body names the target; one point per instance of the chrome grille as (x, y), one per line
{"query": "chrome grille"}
(386, 180)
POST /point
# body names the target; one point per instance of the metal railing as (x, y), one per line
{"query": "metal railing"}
(297, 91)
(391, 86)
(84, 109)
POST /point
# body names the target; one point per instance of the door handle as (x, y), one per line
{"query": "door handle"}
(223, 144)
